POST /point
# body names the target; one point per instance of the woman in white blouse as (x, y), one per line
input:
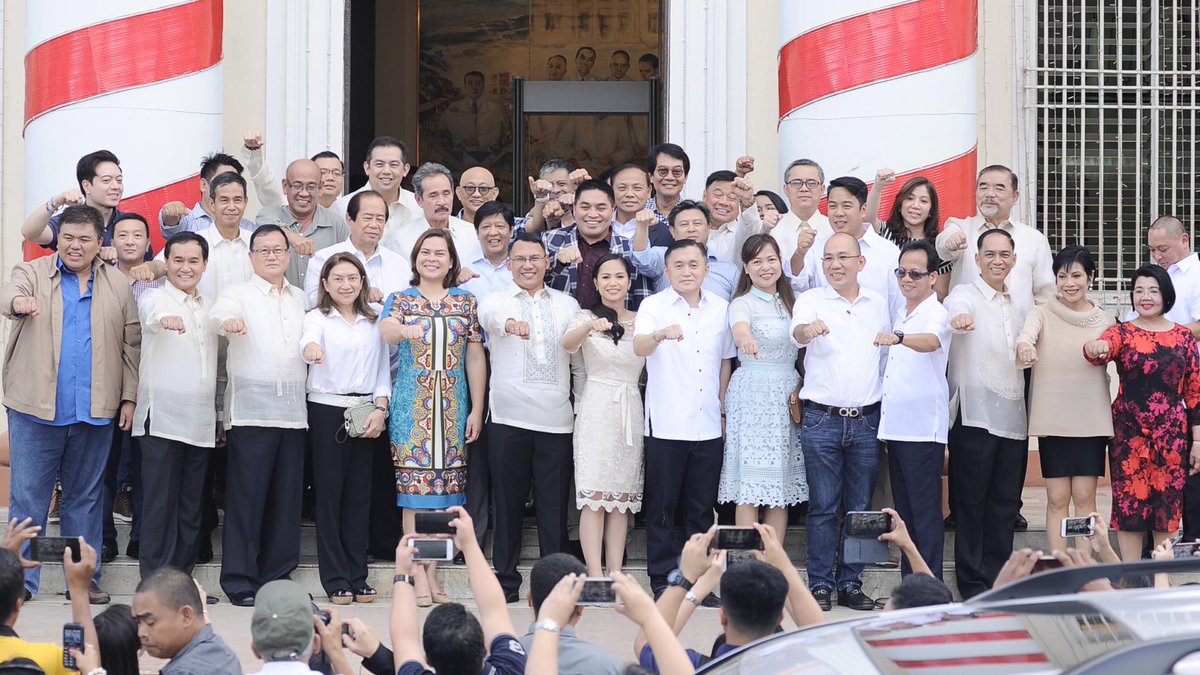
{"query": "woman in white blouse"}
(348, 367)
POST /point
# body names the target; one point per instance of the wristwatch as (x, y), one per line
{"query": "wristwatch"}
(899, 336)
(406, 578)
(676, 578)
(692, 598)
(547, 624)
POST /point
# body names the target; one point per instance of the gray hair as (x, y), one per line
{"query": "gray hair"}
(428, 170)
(805, 162)
(552, 165)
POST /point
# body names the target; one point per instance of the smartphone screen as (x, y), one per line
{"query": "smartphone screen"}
(50, 549)
(597, 591)
(738, 539)
(1184, 549)
(72, 637)
(431, 549)
(1078, 527)
(434, 522)
(1046, 562)
(868, 524)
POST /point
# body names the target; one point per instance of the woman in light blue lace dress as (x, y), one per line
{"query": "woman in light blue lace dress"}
(763, 468)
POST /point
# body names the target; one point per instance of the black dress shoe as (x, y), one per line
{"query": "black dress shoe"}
(949, 522)
(243, 599)
(134, 549)
(824, 597)
(512, 596)
(204, 554)
(211, 599)
(108, 551)
(1020, 524)
(854, 598)
(459, 559)
(28, 595)
(711, 600)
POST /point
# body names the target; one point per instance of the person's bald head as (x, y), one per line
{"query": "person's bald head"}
(302, 186)
(1168, 240)
(476, 187)
(842, 261)
(841, 240)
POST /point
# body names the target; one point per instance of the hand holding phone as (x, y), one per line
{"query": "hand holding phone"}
(72, 639)
(737, 539)
(597, 592)
(51, 549)
(432, 550)
(434, 522)
(1078, 527)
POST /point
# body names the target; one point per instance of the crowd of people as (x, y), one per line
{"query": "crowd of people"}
(618, 352)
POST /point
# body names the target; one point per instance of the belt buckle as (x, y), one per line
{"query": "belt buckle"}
(849, 412)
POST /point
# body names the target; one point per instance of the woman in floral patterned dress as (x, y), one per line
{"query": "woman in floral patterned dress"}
(1156, 416)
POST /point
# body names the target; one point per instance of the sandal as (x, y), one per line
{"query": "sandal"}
(424, 601)
(441, 598)
(342, 597)
(365, 594)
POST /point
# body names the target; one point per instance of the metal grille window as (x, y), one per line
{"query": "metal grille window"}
(1113, 86)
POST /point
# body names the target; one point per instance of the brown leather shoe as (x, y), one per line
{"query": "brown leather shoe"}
(96, 595)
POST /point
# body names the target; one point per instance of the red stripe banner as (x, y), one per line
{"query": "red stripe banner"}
(122, 54)
(953, 179)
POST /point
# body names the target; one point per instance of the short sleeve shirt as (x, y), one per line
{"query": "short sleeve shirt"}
(505, 656)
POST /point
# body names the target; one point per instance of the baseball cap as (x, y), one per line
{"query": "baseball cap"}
(282, 625)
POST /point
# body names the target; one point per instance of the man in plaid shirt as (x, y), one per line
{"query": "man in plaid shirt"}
(576, 249)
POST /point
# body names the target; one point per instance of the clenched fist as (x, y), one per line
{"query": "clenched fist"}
(517, 328)
(745, 165)
(172, 213)
(173, 323)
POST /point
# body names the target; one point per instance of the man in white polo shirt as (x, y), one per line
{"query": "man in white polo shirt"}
(684, 334)
(839, 324)
(387, 271)
(915, 408)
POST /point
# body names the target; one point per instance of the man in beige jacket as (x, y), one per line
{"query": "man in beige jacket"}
(70, 368)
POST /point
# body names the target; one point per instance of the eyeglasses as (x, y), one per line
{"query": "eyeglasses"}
(521, 260)
(911, 274)
(481, 189)
(837, 258)
(271, 252)
(304, 187)
(336, 173)
(811, 184)
(663, 172)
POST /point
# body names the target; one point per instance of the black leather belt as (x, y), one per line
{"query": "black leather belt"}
(842, 410)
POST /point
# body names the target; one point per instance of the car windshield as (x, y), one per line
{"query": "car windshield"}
(1038, 635)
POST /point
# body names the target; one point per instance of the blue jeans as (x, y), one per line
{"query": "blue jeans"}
(841, 458)
(78, 452)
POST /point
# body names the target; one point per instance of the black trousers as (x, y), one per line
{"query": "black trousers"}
(987, 477)
(342, 499)
(670, 466)
(519, 457)
(261, 541)
(915, 472)
(479, 479)
(1191, 506)
(386, 526)
(172, 473)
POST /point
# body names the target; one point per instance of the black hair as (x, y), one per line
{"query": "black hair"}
(85, 168)
(173, 588)
(670, 150)
(920, 590)
(210, 164)
(780, 204)
(130, 215)
(82, 215)
(1165, 287)
(1074, 254)
(722, 176)
(356, 203)
(453, 640)
(932, 260)
(224, 179)
(488, 209)
(995, 230)
(183, 238)
(1012, 175)
(620, 51)
(327, 154)
(594, 184)
(474, 72)
(388, 142)
(117, 633)
(895, 221)
(263, 230)
(680, 244)
(611, 175)
(557, 56)
(602, 310)
(752, 597)
(854, 186)
(550, 570)
(688, 205)
(12, 584)
(528, 238)
(580, 50)
(651, 59)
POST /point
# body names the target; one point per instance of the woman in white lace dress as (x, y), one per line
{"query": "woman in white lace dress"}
(763, 466)
(608, 427)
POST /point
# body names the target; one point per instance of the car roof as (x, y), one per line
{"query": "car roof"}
(1044, 634)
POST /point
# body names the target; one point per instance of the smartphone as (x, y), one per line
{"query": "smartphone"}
(597, 591)
(1184, 549)
(346, 630)
(1046, 562)
(72, 637)
(735, 556)
(440, 550)
(50, 549)
(434, 522)
(738, 539)
(867, 524)
(1078, 527)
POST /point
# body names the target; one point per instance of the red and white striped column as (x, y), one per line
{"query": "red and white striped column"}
(141, 78)
(865, 84)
